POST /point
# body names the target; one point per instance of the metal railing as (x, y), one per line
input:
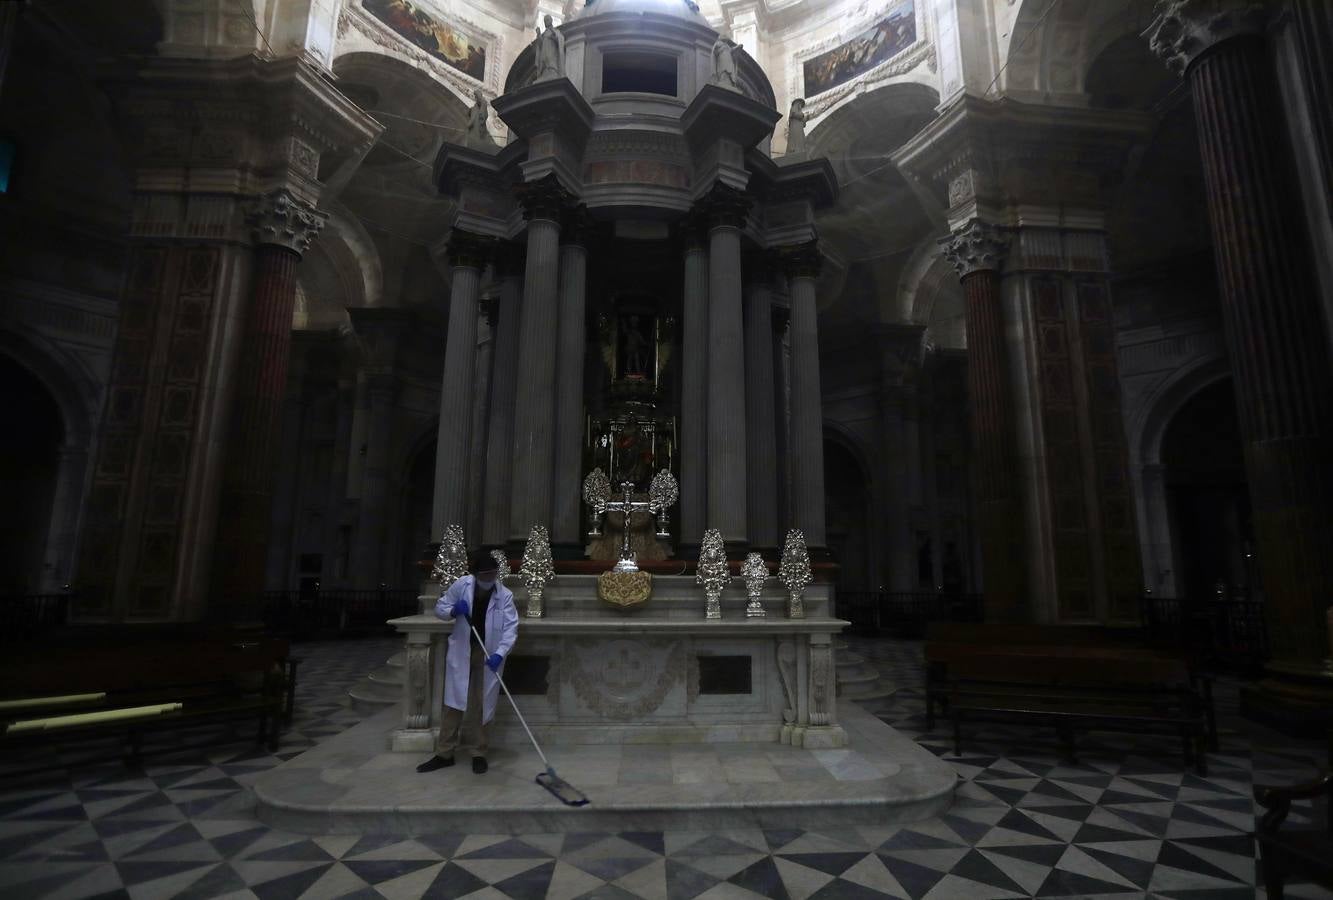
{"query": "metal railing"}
(311, 613)
(904, 613)
(1221, 632)
(23, 616)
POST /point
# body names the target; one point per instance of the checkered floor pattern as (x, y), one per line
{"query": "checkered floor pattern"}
(1127, 821)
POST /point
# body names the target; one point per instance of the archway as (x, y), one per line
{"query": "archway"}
(847, 516)
(30, 456)
(1207, 497)
(414, 521)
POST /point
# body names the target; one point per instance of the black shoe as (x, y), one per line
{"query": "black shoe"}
(435, 762)
(479, 765)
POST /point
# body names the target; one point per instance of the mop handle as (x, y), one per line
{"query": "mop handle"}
(522, 721)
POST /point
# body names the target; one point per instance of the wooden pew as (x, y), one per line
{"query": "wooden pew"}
(947, 642)
(213, 679)
(1139, 694)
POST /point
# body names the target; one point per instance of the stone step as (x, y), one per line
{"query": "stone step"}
(872, 690)
(860, 676)
(882, 779)
(849, 659)
(368, 698)
(398, 660)
(388, 675)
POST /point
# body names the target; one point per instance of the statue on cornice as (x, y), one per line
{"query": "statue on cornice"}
(724, 65)
(796, 128)
(548, 55)
(476, 136)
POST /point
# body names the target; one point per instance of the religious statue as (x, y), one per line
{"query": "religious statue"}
(796, 128)
(636, 350)
(476, 135)
(724, 65)
(548, 55)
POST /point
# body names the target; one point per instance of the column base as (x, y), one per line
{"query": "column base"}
(413, 740)
(819, 737)
(1295, 698)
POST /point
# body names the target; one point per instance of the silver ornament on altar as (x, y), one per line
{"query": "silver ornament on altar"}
(662, 493)
(754, 571)
(794, 572)
(501, 565)
(713, 572)
(451, 560)
(536, 569)
(596, 493)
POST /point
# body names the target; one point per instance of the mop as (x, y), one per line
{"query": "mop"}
(562, 790)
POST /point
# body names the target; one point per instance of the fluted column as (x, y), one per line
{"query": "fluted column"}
(571, 338)
(694, 390)
(283, 227)
(761, 469)
(807, 405)
(504, 378)
(976, 251)
(481, 418)
(467, 257)
(726, 209)
(534, 399)
(1279, 355)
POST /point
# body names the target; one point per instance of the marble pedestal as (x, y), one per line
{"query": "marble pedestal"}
(587, 672)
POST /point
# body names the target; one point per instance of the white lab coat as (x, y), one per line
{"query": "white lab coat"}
(501, 632)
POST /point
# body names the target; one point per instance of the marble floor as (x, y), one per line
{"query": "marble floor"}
(1127, 821)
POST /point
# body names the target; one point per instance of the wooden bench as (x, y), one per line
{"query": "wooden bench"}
(212, 680)
(947, 642)
(1137, 694)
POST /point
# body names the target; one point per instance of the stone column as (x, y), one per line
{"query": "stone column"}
(975, 251)
(807, 404)
(726, 208)
(761, 469)
(534, 399)
(283, 228)
(504, 378)
(1270, 313)
(694, 390)
(467, 257)
(567, 484)
(481, 418)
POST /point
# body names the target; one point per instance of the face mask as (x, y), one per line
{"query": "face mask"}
(486, 582)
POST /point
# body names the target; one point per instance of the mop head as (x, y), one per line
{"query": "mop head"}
(562, 790)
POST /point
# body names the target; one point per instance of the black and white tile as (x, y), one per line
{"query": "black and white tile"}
(1127, 821)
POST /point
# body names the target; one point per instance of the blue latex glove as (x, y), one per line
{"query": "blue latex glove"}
(493, 662)
(460, 610)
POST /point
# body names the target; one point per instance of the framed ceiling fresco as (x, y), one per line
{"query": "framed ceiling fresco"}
(425, 30)
(892, 34)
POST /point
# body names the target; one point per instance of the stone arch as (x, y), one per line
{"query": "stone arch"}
(1050, 44)
(341, 269)
(860, 559)
(76, 398)
(1156, 538)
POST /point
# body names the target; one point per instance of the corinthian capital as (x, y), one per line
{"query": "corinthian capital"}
(1184, 29)
(976, 247)
(279, 218)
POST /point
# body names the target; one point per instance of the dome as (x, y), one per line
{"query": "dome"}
(680, 9)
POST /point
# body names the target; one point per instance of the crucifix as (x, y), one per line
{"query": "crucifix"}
(662, 492)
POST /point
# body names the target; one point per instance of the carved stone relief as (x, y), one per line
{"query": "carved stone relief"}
(625, 679)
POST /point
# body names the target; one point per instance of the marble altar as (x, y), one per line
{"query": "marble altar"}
(587, 672)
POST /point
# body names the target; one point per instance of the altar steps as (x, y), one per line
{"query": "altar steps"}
(382, 688)
(352, 784)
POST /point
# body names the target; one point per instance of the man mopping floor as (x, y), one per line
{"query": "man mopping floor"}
(472, 674)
